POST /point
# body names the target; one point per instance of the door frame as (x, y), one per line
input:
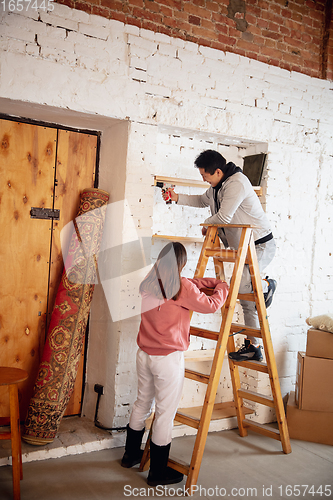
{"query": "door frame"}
(114, 144)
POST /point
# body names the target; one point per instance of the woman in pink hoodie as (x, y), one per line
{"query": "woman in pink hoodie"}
(163, 337)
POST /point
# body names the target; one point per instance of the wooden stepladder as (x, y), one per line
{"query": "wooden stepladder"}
(244, 255)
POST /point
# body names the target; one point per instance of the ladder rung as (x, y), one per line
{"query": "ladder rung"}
(246, 296)
(262, 429)
(245, 330)
(253, 365)
(179, 465)
(199, 377)
(222, 254)
(257, 398)
(187, 420)
(207, 334)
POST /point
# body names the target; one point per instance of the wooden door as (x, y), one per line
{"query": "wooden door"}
(33, 159)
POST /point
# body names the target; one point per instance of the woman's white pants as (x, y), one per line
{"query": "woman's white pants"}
(160, 380)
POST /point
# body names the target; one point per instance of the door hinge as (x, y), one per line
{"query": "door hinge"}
(44, 213)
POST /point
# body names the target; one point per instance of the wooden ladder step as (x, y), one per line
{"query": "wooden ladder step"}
(220, 411)
(258, 366)
(246, 296)
(221, 254)
(200, 355)
(197, 376)
(206, 334)
(179, 465)
(262, 429)
(245, 330)
(187, 420)
(256, 397)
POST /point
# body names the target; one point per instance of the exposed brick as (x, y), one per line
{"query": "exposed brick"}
(173, 4)
(151, 5)
(275, 8)
(196, 10)
(120, 16)
(69, 3)
(272, 53)
(284, 31)
(207, 34)
(112, 4)
(97, 10)
(273, 35)
(194, 20)
(212, 6)
(271, 24)
(250, 19)
(166, 11)
(221, 28)
(262, 23)
(270, 43)
(226, 40)
(286, 13)
(148, 25)
(234, 33)
(205, 23)
(146, 15)
(134, 21)
(219, 18)
(86, 7)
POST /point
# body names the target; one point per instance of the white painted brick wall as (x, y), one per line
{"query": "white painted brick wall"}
(180, 99)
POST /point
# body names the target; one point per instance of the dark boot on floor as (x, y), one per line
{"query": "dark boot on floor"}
(133, 453)
(159, 472)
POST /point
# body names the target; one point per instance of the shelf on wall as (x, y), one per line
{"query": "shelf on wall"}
(180, 182)
(191, 183)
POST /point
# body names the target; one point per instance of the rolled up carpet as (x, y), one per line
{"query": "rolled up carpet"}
(66, 332)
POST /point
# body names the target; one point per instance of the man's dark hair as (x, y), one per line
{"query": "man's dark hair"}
(210, 161)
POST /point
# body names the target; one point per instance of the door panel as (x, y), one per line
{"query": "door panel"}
(27, 163)
(31, 156)
(76, 162)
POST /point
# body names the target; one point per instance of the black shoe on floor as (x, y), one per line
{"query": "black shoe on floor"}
(270, 292)
(133, 453)
(248, 352)
(159, 472)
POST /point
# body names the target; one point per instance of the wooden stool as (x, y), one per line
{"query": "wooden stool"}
(11, 377)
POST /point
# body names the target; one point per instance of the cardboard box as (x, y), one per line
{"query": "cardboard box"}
(314, 426)
(314, 383)
(319, 344)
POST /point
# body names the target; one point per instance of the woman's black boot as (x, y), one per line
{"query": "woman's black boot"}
(159, 472)
(133, 453)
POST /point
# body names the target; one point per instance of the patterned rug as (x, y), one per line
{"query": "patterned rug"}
(66, 333)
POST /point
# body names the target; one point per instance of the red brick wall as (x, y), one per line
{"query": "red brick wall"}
(285, 33)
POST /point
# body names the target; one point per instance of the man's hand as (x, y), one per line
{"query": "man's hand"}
(170, 195)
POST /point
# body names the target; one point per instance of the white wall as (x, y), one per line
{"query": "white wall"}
(156, 84)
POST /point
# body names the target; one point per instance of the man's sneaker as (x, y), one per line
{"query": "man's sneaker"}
(248, 352)
(270, 292)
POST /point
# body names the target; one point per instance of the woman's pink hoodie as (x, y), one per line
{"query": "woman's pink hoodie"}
(165, 324)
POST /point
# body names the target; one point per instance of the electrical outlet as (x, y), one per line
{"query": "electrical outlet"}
(99, 389)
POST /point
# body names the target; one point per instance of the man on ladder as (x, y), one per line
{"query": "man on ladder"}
(232, 200)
